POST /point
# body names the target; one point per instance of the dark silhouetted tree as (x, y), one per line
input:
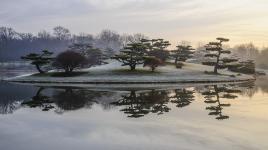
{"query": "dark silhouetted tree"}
(132, 55)
(157, 48)
(182, 53)
(39, 59)
(69, 60)
(152, 62)
(215, 51)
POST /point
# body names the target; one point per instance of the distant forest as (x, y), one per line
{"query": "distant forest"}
(14, 44)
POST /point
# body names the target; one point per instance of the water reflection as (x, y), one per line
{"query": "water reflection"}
(213, 96)
(133, 103)
(182, 97)
(65, 99)
(12, 95)
(137, 104)
(40, 100)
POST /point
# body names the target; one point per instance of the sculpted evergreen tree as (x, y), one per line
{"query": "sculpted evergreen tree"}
(132, 55)
(215, 51)
(157, 48)
(39, 59)
(182, 53)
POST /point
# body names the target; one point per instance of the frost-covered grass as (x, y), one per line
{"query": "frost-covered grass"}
(60, 74)
(115, 73)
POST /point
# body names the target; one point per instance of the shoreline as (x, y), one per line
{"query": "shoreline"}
(115, 74)
(132, 82)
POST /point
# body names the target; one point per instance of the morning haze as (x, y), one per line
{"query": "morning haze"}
(133, 74)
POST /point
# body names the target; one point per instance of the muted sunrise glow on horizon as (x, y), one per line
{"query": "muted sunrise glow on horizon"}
(242, 21)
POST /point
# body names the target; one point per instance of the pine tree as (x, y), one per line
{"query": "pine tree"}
(132, 55)
(182, 53)
(39, 59)
(157, 48)
(215, 51)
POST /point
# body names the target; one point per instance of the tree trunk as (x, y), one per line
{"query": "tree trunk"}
(153, 68)
(133, 67)
(217, 63)
(216, 69)
(39, 69)
(71, 70)
(176, 60)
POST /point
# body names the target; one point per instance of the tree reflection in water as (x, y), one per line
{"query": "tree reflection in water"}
(136, 103)
(213, 94)
(64, 99)
(182, 97)
(40, 100)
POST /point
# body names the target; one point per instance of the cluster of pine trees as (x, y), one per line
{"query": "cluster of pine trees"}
(152, 53)
(146, 52)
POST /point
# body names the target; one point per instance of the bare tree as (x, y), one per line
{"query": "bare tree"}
(44, 35)
(246, 51)
(62, 33)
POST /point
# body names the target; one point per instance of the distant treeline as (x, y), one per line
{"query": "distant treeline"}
(14, 44)
(251, 52)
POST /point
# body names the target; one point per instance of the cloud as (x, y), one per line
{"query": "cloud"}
(173, 19)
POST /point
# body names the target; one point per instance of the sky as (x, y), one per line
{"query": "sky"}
(242, 21)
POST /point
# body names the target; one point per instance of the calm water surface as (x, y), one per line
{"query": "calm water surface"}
(206, 117)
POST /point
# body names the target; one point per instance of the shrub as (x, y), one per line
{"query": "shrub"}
(179, 65)
(69, 60)
(152, 62)
(246, 67)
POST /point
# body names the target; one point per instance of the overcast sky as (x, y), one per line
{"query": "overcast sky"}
(175, 20)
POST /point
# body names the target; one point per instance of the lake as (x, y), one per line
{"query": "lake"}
(187, 117)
